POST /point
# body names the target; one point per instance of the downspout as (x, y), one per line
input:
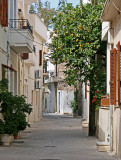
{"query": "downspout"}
(8, 57)
(23, 77)
(8, 47)
(111, 122)
(111, 106)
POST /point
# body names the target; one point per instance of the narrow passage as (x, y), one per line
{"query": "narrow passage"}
(56, 137)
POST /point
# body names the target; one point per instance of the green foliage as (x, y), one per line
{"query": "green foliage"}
(46, 12)
(13, 110)
(74, 103)
(3, 85)
(78, 43)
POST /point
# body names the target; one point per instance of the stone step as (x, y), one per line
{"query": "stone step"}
(103, 146)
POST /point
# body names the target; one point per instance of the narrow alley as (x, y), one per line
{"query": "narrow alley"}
(56, 137)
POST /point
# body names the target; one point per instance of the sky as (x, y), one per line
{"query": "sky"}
(54, 3)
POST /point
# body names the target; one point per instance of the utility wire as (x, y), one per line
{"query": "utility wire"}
(116, 6)
(21, 33)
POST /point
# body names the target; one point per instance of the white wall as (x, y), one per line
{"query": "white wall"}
(85, 103)
(108, 68)
(51, 98)
(104, 124)
(64, 97)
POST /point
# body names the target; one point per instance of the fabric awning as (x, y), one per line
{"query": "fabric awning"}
(10, 68)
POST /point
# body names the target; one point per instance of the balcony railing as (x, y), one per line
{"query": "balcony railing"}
(21, 24)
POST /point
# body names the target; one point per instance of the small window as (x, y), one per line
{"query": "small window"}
(40, 57)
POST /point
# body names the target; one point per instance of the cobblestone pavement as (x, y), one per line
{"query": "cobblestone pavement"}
(56, 137)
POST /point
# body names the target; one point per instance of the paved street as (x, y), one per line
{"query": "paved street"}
(54, 138)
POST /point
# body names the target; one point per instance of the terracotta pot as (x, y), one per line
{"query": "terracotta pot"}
(17, 136)
(6, 139)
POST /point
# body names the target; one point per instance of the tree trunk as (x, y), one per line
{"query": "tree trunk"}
(92, 128)
(80, 1)
(80, 99)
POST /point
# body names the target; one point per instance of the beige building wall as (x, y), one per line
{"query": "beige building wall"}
(112, 34)
(3, 48)
(31, 65)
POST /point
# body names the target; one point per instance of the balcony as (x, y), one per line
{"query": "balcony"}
(38, 26)
(21, 36)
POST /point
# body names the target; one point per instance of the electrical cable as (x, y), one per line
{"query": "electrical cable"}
(116, 6)
(21, 33)
(43, 44)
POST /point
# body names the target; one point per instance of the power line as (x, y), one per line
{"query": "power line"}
(24, 35)
(21, 33)
(116, 6)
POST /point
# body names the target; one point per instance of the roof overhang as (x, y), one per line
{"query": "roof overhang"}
(111, 9)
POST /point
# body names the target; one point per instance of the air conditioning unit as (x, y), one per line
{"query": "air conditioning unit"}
(38, 74)
(38, 85)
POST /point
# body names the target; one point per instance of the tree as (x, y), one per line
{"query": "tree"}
(78, 43)
(46, 12)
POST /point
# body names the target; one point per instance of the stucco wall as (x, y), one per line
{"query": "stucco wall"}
(64, 97)
(34, 96)
(116, 126)
(104, 124)
(51, 98)
(27, 72)
(3, 60)
(3, 48)
(85, 103)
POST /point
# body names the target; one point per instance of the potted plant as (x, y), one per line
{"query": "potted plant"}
(74, 107)
(13, 111)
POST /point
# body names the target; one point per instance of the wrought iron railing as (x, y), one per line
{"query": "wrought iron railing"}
(21, 24)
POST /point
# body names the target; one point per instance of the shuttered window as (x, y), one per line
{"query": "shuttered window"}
(40, 57)
(119, 62)
(113, 77)
(1, 9)
(4, 21)
(25, 56)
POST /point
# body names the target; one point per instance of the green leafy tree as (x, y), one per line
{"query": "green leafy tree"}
(78, 43)
(46, 12)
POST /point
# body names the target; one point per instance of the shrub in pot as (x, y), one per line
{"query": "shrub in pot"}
(74, 107)
(13, 110)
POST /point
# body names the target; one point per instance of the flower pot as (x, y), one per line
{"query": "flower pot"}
(6, 139)
(17, 136)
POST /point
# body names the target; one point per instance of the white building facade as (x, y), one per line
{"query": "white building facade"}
(109, 113)
(21, 53)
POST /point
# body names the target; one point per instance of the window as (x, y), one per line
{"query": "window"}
(113, 76)
(40, 57)
(119, 72)
(4, 13)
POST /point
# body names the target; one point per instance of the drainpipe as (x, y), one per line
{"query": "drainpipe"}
(111, 122)
(8, 56)
(23, 77)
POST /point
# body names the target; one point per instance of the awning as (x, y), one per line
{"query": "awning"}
(10, 68)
